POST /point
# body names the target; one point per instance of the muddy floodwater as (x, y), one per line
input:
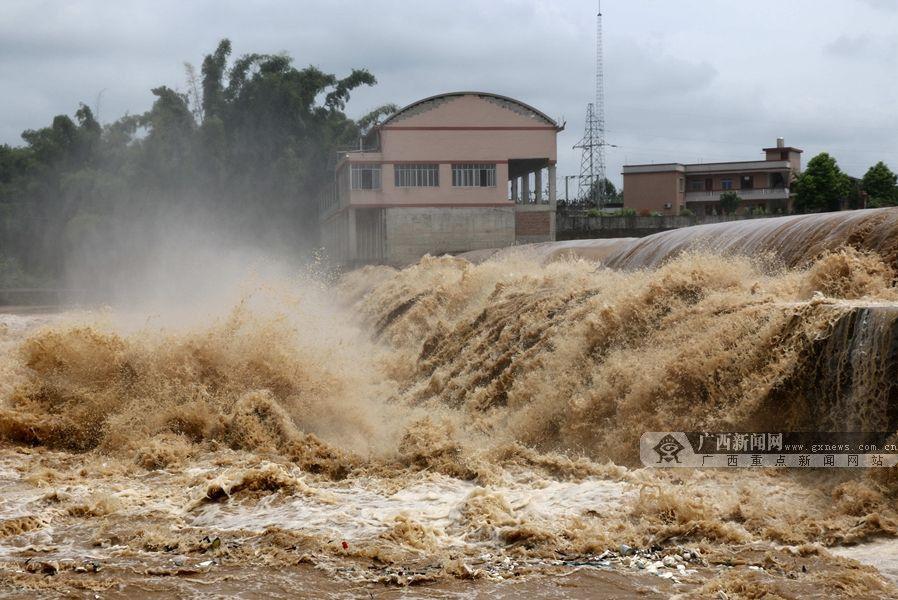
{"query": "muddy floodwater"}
(460, 429)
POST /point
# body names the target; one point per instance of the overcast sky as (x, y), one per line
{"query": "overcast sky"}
(688, 81)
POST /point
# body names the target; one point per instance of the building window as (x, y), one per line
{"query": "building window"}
(366, 177)
(726, 184)
(748, 182)
(696, 185)
(474, 175)
(417, 175)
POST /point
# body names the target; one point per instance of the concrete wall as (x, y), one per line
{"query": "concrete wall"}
(572, 226)
(412, 232)
(370, 245)
(793, 156)
(335, 236)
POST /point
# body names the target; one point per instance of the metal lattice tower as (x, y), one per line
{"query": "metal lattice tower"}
(592, 162)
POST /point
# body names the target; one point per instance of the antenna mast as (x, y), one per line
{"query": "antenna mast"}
(592, 161)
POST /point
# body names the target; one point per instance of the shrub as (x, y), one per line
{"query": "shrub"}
(729, 202)
(685, 212)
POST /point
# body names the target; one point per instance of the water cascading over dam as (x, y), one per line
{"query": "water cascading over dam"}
(454, 420)
(853, 372)
(794, 240)
(847, 377)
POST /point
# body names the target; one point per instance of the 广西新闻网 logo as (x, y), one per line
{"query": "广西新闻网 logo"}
(668, 448)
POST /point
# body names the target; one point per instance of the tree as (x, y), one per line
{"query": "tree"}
(607, 186)
(822, 187)
(879, 182)
(729, 202)
(249, 143)
(855, 196)
(370, 120)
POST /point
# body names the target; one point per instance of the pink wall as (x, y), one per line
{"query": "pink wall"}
(390, 195)
(651, 191)
(471, 144)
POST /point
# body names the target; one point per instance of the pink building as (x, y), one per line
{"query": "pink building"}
(669, 188)
(450, 173)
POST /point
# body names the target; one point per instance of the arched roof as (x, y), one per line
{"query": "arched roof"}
(415, 107)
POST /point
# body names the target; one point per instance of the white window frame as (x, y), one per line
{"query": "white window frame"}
(358, 176)
(474, 175)
(416, 175)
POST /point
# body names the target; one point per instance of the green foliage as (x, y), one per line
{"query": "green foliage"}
(374, 117)
(593, 212)
(757, 211)
(881, 185)
(856, 196)
(250, 143)
(607, 185)
(729, 202)
(685, 212)
(822, 186)
(628, 212)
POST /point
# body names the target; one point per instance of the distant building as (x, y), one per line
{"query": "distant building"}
(668, 188)
(447, 174)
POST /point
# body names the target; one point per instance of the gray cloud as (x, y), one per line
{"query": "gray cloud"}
(685, 81)
(888, 5)
(880, 49)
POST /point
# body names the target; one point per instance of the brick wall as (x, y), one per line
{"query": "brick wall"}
(532, 223)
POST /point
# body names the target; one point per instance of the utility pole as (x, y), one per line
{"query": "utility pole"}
(566, 179)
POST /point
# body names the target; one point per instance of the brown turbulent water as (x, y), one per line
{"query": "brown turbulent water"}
(468, 428)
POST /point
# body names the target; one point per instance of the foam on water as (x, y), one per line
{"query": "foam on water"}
(364, 510)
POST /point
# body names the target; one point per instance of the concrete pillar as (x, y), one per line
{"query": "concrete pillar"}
(352, 243)
(552, 182)
(525, 189)
(539, 185)
(514, 190)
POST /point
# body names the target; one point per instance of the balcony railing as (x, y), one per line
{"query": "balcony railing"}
(751, 194)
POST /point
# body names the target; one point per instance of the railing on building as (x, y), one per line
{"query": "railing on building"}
(533, 198)
(778, 193)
